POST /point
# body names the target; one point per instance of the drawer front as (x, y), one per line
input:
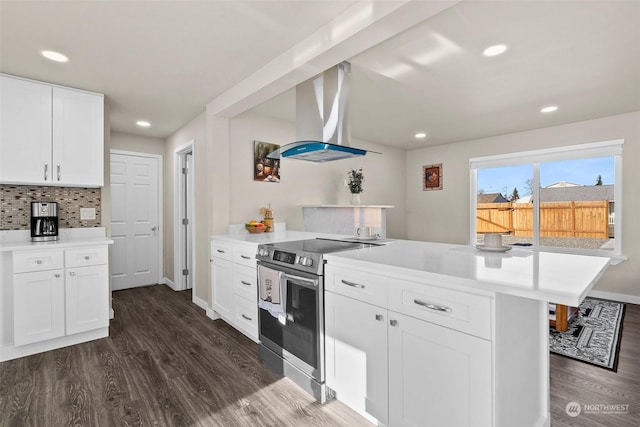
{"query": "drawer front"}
(461, 311)
(360, 285)
(24, 262)
(245, 316)
(245, 282)
(84, 257)
(223, 250)
(245, 255)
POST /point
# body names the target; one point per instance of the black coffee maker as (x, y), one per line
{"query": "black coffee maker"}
(44, 221)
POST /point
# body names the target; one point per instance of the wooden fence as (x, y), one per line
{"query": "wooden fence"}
(557, 219)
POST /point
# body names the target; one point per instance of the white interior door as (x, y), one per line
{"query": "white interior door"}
(184, 217)
(135, 228)
(188, 227)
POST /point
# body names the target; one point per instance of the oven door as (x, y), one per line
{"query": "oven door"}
(298, 340)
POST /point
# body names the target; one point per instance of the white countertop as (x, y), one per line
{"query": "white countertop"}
(350, 206)
(69, 237)
(276, 236)
(546, 276)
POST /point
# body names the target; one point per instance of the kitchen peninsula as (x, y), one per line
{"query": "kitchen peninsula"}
(465, 331)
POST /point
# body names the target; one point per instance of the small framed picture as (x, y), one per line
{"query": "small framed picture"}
(264, 168)
(432, 177)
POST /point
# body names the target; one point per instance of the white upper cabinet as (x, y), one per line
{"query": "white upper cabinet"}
(50, 135)
(25, 131)
(78, 138)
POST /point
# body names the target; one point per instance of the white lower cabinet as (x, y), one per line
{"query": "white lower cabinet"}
(403, 370)
(437, 376)
(356, 354)
(87, 298)
(38, 306)
(234, 285)
(59, 293)
(222, 287)
(245, 316)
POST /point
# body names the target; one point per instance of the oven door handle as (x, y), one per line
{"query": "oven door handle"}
(313, 282)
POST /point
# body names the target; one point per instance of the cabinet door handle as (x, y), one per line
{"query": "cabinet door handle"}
(46, 171)
(393, 322)
(58, 167)
(432, 306)
(245, 257)
(39, 261)
(379, 317)
(220, 251)
(247, 317)
(87, 257)
(245, 283)
(353, 285)
(57, 276)
(71, 273)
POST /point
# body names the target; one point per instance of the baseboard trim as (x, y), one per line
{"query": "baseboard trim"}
(11, 352)
(169, 283)
(631, 299)
(211, 314)
(200, 302)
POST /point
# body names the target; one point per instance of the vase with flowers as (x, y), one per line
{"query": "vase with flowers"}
(354, 181)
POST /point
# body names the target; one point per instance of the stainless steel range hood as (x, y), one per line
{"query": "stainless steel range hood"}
(322, 119)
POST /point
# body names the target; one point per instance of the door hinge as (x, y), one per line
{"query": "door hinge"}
(185, 171)
(185, 221)
(185, 272)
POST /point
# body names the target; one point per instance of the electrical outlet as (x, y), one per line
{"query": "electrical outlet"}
(87, 213)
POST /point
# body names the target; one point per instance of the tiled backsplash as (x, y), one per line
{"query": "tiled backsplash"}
(15, 205)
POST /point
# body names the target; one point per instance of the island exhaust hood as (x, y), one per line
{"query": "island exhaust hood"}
(322, 119)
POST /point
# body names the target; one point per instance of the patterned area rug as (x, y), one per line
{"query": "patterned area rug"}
(594, 334)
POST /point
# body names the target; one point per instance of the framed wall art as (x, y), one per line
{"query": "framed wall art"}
(432, 177)
(264, 168)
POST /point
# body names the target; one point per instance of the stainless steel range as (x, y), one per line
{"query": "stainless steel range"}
(291, 310)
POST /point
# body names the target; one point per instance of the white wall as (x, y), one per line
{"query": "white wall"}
(306, 183)
(137, 143)
(443, 216)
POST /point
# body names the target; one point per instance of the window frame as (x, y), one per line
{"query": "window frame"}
(612, 148)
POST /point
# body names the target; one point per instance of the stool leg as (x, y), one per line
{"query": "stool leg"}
(562, 323)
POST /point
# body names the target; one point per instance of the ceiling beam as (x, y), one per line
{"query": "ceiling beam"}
(359, 28)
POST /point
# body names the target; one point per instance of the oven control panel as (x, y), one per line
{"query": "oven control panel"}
(286, 257)
(298, 260)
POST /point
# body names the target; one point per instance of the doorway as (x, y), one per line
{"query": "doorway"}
(184, 218)
(136, 219)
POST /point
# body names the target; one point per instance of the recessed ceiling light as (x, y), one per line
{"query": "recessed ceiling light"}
(549, 109)
(54, 56)
(421, 135)
(143, 123)
(495, 50)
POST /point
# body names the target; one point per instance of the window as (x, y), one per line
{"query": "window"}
(564, 199)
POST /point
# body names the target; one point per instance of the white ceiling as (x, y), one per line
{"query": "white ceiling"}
(164, 61)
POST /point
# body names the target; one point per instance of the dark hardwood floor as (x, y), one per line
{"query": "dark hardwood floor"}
(166, 364)
(573, 381)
